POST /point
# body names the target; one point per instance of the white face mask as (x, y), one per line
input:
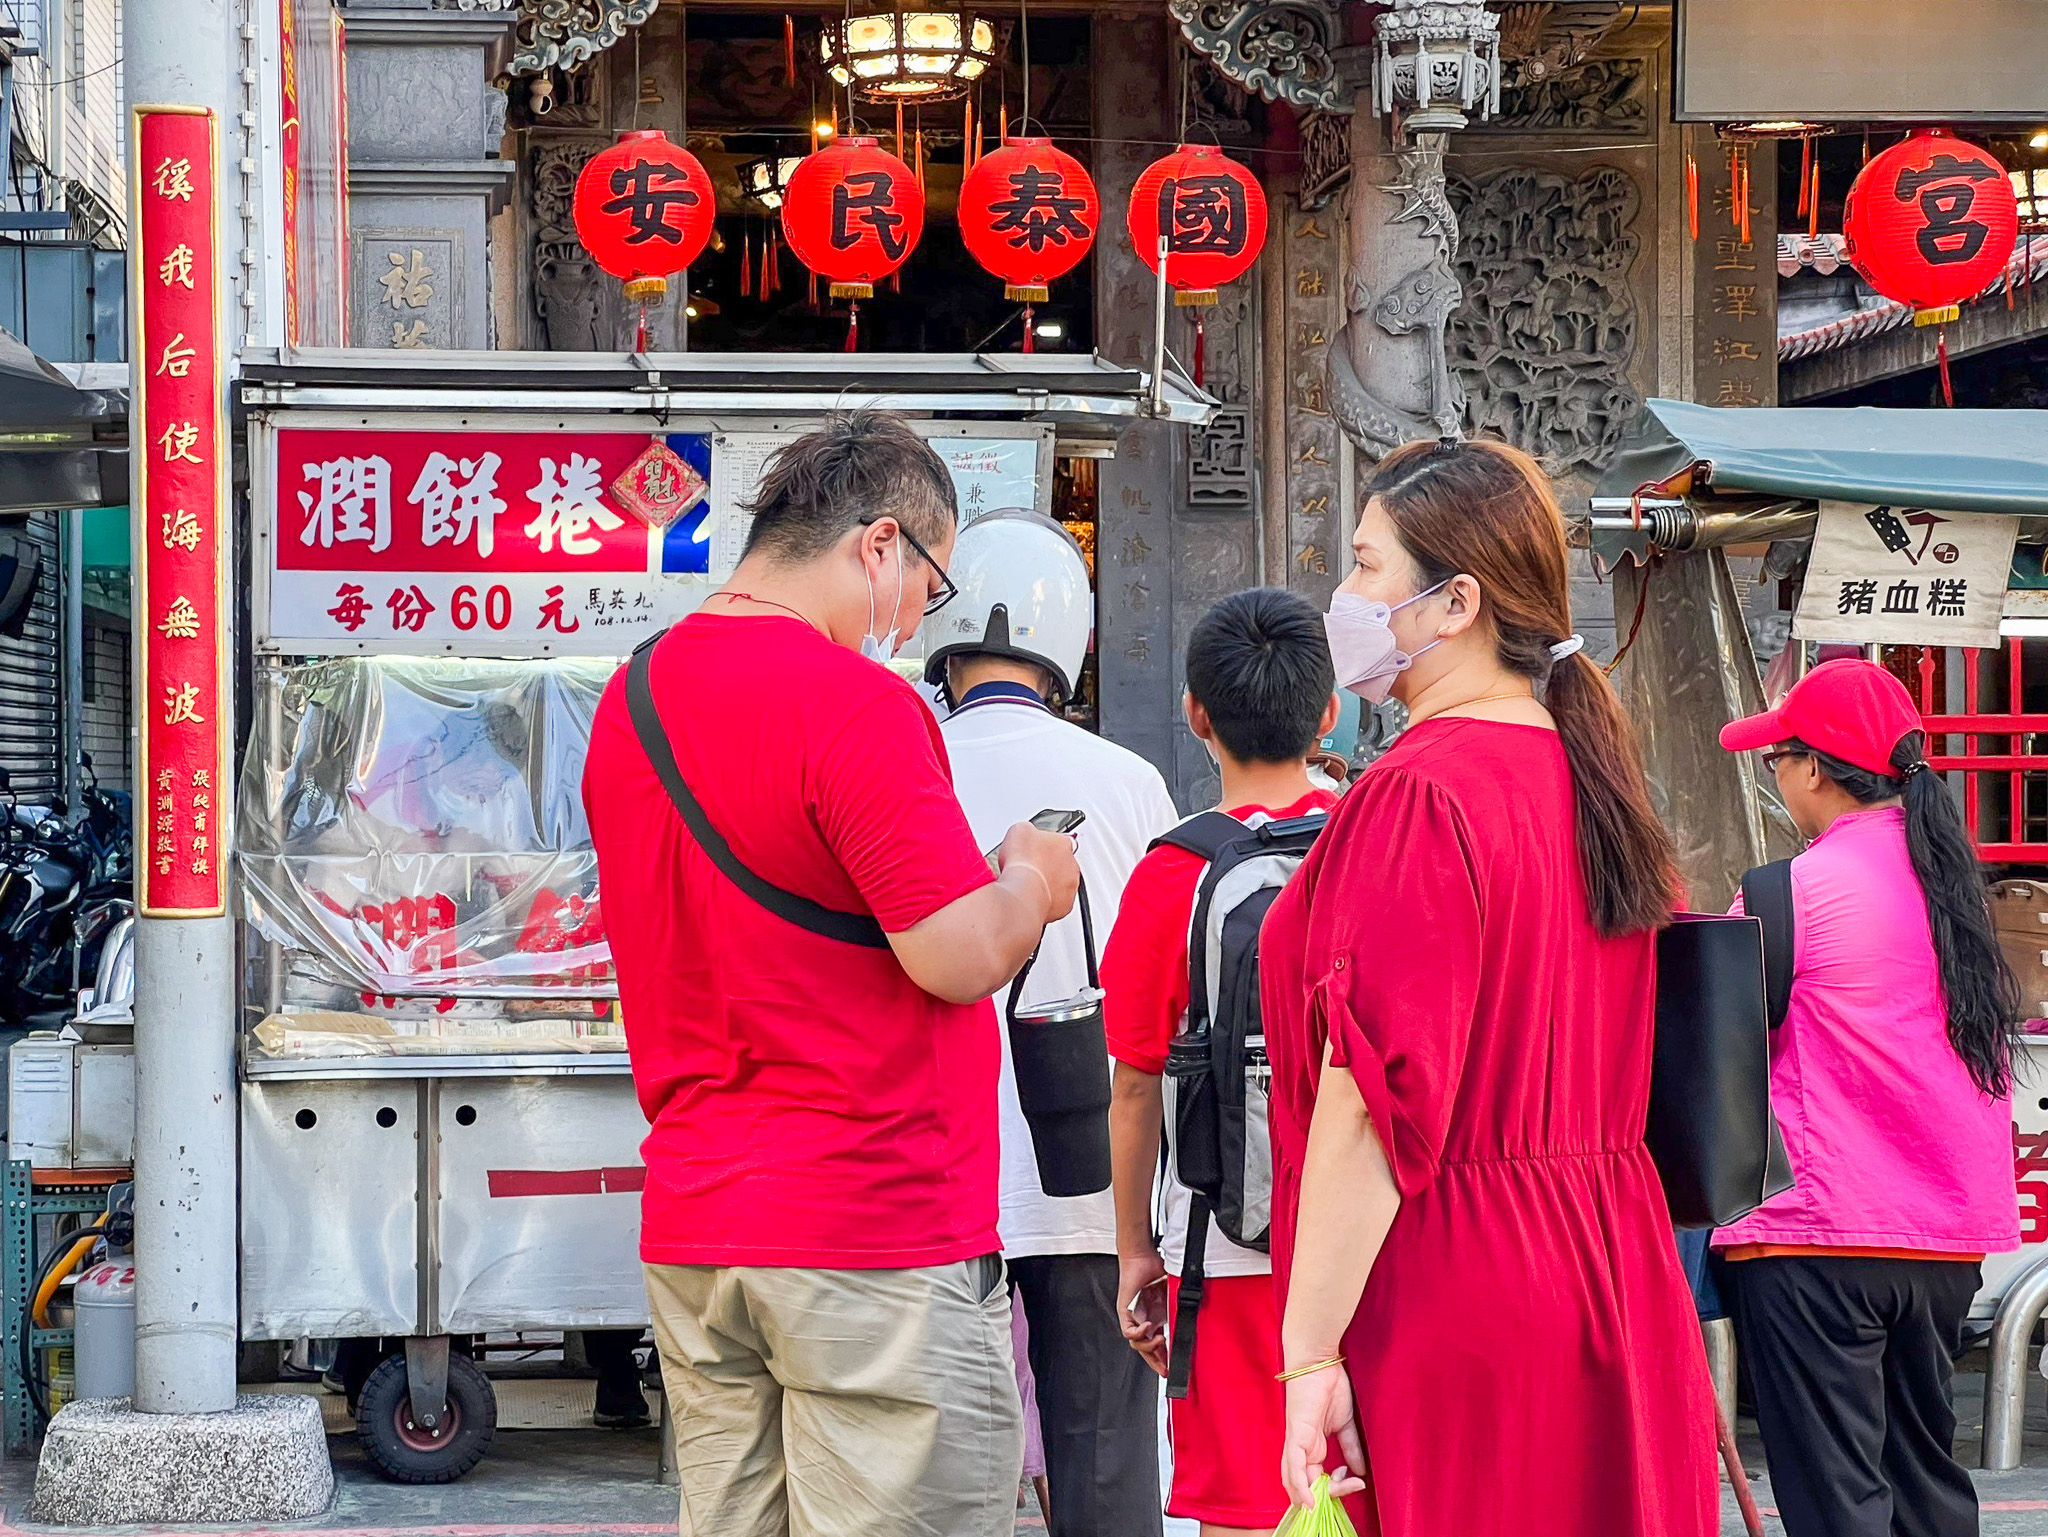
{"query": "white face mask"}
(1362, 644)
(882, 648)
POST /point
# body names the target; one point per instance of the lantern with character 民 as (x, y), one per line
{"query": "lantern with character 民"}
(852, 213)
(644, 209)
(1202, 217)
(1931, 222)
(1028, 213)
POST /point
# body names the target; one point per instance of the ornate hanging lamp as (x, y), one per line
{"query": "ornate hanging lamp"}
(765, 179)
(908, 53)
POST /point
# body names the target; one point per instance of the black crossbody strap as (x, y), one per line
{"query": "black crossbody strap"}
(848, 928)
(1767, 897)
(1180, 1364)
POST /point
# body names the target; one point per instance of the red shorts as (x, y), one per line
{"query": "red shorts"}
(1227, 1432)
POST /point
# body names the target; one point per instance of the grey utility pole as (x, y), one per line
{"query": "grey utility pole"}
(183, 53)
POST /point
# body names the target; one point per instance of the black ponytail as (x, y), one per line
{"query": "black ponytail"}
(1978, 987)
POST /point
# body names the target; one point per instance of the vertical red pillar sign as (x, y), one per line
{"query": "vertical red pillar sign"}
(179, 482)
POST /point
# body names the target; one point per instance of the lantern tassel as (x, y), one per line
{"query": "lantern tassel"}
(1948, 388)
(1201, 349)
(1805, 174)
(853, 326)
(899, 130)
(1029, 330)
(788, 50)
(1692, 195)
(1002, 124)
(640, 332)
(1813, 202)
(746, 263)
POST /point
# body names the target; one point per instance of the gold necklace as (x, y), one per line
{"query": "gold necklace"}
(1469, 703)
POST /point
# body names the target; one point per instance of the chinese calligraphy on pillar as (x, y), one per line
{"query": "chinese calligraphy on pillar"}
(1735, 275)
(1316, 557)
(179, 485)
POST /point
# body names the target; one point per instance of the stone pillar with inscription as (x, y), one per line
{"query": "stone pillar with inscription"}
(425, 123)
(1177, 521)
(1735, 273)
(1308, 247)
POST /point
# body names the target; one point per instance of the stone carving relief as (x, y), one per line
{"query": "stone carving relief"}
(562, 34)
(1415, 302)
(1219, 456)
(1543, 341)
(570, 294)
(1280, 48)
(1602, 96)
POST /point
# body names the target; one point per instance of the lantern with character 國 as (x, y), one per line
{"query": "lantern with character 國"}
(1028, 213)
(852, 213)
(1931, 222)
(644, 209)
(1200, 217)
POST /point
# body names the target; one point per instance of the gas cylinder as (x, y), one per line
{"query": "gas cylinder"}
(104, 1346)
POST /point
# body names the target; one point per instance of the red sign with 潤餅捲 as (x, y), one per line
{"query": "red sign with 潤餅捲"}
(179, 459)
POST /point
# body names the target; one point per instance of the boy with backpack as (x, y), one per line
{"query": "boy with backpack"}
(1183, 1026)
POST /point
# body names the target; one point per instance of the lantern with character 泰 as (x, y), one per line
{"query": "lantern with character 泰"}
(1028, 213)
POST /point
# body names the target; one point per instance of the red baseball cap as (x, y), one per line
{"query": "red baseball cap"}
(1849, 709)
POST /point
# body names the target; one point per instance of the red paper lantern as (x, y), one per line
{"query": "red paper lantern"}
(1028, 213)
(1931, 222)
(644, 209)
(1211, 211)
(852, 213)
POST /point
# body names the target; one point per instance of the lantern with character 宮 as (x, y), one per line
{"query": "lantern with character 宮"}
(644, 209)
(1028, 213)
(1931, 222)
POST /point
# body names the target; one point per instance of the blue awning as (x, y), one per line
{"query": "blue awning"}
(1962, 461)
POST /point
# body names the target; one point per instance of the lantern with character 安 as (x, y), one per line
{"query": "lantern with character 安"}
(1028, 213)
(1931, 222)
(1209, 212)
(852, 213)
(644, 209)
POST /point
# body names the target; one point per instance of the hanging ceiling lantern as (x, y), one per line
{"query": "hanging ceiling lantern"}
(764, 180)
(2030, 191)
(908, 54)
(852, 213)
(1028, 213)
(1211, 212)
(1931, 222)
(644, 209)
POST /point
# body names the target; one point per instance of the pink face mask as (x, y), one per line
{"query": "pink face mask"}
(1362, 644)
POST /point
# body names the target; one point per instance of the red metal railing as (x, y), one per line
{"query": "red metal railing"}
(1989, 739)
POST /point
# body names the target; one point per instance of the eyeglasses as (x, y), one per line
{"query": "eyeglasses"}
(1771, 759)
(947, 591)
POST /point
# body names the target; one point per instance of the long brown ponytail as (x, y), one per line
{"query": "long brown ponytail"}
(1485, 510)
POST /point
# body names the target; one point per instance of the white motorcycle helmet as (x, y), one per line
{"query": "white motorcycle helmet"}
(1023, 593)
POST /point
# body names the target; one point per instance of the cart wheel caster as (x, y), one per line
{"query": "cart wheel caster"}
(407, 1452)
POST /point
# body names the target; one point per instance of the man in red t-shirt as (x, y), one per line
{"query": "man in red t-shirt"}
(1260, 694)
(818, 1223)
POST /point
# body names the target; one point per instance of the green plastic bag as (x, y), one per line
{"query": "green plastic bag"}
(1324, 1518)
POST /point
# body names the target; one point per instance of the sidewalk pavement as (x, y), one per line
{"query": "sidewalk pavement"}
(560, 1483)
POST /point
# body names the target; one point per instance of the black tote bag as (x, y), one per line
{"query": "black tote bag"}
(1711, 1131)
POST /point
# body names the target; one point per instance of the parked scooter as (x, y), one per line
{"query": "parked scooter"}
(65, 888)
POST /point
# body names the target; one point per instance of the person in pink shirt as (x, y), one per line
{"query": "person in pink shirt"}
(1891, 1077)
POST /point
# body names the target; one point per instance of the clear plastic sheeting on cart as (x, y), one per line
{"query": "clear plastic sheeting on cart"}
(412, 842)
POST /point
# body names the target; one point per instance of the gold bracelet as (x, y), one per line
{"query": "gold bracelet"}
(1305, 1371)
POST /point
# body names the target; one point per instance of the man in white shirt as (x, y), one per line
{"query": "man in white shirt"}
(1013, 640)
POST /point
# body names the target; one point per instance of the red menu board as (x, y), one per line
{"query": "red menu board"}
(179, 478)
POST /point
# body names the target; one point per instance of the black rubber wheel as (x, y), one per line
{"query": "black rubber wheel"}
(409, 1453)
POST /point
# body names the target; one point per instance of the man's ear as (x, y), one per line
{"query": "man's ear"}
(1331, 711)
(1198, 718)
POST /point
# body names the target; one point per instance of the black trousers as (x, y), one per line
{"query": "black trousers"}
(1850, 1359)
(1098, 1402)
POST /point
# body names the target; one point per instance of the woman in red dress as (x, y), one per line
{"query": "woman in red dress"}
(1482, 1301)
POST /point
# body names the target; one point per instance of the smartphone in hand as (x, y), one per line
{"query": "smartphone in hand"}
(1048, 821)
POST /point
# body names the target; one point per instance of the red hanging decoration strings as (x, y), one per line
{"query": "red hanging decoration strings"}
(1201, 350)
(789, 50)
(1805, 174)
(1948, 389)
(746, 262)
(1813, 202)
(853, 325)
(1692, 194)
(899, 130)
(1030, 328)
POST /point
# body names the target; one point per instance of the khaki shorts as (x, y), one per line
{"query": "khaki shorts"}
(841, 1403)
